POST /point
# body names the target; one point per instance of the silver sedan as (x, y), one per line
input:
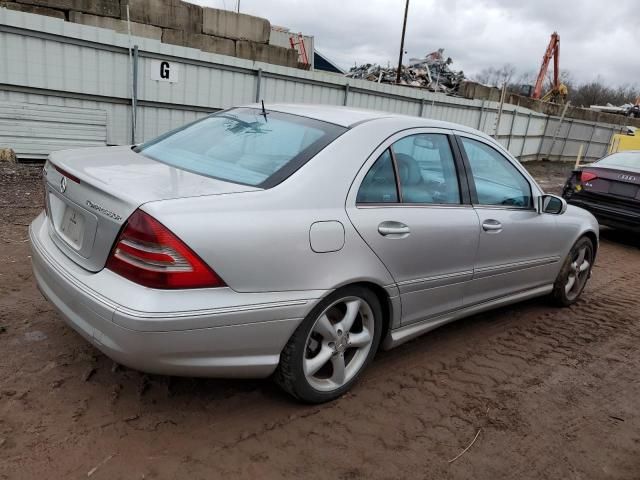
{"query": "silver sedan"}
(296, 241)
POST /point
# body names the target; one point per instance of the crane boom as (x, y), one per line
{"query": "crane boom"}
(553, 50)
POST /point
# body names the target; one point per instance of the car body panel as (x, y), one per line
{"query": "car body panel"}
(431, 264)
(280, 251)
(524, 254)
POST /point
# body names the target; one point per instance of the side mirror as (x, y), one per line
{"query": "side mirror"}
(552, 204)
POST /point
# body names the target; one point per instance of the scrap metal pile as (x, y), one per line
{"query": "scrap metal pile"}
(628, 109)
(432, 72)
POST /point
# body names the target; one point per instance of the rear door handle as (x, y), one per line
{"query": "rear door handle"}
(491, 226)
(393, 229)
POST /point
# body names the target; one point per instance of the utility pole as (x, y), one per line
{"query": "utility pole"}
(404, 29)
(238, 6)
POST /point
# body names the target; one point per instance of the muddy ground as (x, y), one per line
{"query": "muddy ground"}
(553, 393)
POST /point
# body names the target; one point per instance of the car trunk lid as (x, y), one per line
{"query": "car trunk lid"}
(90, 193)
(608, 181)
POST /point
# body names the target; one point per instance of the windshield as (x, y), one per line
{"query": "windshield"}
(625, 160)
(243, 145)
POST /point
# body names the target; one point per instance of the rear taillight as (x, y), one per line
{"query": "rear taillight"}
(64, 173)
(148, 253)
(587, 176)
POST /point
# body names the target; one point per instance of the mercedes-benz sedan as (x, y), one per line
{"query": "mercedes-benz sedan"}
(295, 241)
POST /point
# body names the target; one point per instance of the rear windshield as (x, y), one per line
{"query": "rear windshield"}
(243, 145)
(624, 160)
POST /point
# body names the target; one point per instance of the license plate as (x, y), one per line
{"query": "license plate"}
(72, 227)
(624, 189)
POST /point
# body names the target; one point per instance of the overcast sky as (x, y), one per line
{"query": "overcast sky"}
(598, 37)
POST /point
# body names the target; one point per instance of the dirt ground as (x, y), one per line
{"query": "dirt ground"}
(553, 393)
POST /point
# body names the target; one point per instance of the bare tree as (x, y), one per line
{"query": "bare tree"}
(495, 77)
(595, 92)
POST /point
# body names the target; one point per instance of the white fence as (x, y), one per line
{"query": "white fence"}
(49, 61)
(34, 130)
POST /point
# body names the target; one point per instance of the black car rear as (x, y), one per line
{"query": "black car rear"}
(609, 189)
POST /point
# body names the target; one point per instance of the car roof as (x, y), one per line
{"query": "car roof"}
(350, 117)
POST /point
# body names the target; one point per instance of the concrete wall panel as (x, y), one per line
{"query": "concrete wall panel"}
(120, 26)
(223, 23)
(109, 8)
(206, 43)
(165, 13)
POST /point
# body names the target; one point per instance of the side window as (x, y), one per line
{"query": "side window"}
(497, 181)
(426, 169)
(379, 184)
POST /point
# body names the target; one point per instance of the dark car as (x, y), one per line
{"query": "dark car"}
(609, 189)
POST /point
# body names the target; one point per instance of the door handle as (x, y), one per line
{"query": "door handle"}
(393, 229)
(492, 226)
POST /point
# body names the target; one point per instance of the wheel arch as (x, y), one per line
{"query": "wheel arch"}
(389, 311)
(591, 235)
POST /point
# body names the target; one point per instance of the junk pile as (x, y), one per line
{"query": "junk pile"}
(628, 109)
(432, 72)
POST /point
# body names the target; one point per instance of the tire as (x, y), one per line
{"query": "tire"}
(565, 290)
(330, 349)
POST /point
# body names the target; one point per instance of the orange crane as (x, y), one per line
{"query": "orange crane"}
(558, 90)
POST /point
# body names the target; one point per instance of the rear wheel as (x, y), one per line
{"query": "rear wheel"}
(332, 346)
(574, 274)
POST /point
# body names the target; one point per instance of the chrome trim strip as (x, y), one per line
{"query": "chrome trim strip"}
(436, 277)
(411, 205)
(418, 284)
(213, 311)
(512, 267)
(478, 206)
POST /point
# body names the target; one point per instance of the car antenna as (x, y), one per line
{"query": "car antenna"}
(264, 112)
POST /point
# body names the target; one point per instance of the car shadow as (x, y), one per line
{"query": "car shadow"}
(624, 237)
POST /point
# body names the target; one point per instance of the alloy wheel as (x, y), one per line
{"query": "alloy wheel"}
(578, 272)
(338, 344)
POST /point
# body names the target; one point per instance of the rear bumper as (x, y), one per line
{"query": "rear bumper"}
(625, 217)
(244, 340)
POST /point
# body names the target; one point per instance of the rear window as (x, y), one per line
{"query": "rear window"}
(243, 145)
(624, 160)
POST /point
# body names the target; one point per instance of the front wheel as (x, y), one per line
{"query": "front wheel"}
(574, 274)
(332, 346)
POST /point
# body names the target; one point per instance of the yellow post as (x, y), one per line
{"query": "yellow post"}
(579, 157)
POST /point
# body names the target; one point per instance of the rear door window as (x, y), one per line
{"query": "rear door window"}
(244, 146)
(427, 169)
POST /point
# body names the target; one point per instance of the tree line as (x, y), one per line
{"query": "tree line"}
(581, 94)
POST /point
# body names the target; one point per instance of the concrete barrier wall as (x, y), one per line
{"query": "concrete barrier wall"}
(50, 61)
